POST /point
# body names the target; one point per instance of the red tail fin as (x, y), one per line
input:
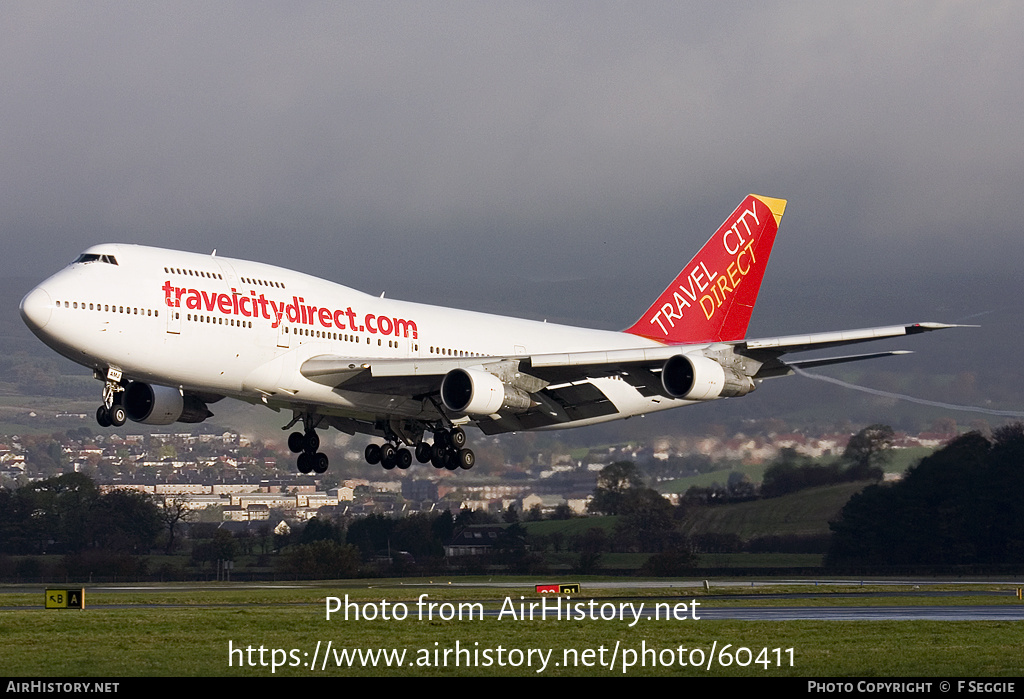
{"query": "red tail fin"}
(712, 298)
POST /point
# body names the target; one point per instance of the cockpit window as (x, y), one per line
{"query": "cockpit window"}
(93, 257)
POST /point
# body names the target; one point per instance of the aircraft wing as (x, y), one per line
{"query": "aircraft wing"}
(561, 385)
(802, 343)
(768, 351)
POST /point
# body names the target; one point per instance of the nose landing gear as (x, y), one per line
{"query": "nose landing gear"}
(111, 413)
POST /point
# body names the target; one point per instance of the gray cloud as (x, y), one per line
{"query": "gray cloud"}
(403, 145)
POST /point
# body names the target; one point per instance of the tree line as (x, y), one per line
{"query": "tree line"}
(68, 514)
(961, 506)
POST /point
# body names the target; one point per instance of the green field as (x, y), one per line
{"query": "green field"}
(806, 513)
(179, 631)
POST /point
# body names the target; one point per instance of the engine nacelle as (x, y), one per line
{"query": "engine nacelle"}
(699, 378)
(162, 405)
(475, 392)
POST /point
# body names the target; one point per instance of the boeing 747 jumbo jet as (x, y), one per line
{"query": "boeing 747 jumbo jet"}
(171, 332)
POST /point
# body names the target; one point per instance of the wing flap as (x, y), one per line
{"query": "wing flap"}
(776, 367)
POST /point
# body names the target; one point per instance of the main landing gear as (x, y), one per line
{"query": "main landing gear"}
(306, 444)
(448, 451)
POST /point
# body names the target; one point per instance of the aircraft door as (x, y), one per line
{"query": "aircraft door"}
(173, 321)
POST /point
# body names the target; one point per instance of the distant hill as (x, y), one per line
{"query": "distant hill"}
(805, 513)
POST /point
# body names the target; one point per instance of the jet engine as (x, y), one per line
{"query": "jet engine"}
(475, 392)
(699, 378)
(162, 405)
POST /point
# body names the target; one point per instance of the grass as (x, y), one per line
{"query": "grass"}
(902, 459)
(806, 513)
(570, 527)
(118, 635)
(721, 476)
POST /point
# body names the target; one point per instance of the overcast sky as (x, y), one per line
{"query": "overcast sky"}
(406, 146)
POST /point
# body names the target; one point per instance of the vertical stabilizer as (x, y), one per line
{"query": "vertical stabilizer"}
(712, 298)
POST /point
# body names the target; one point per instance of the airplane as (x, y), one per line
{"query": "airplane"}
(170, 333)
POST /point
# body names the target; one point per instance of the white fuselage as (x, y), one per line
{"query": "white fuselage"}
(242, 329)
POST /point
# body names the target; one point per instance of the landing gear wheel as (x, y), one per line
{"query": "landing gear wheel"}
(310, 441)
(372, 453)
(423, 452)
(404, 458)
(320, 462)
(457, 437)
(388, 459)
(103, 416)
(296, 442)
(466, 458)
(451, 462)
(117, 416)
(437, 461)
(440, 451)
(305, 462)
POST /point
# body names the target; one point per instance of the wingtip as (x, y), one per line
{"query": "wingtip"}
(922, 327)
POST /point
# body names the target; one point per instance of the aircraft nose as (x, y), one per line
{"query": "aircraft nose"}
(36, 308)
